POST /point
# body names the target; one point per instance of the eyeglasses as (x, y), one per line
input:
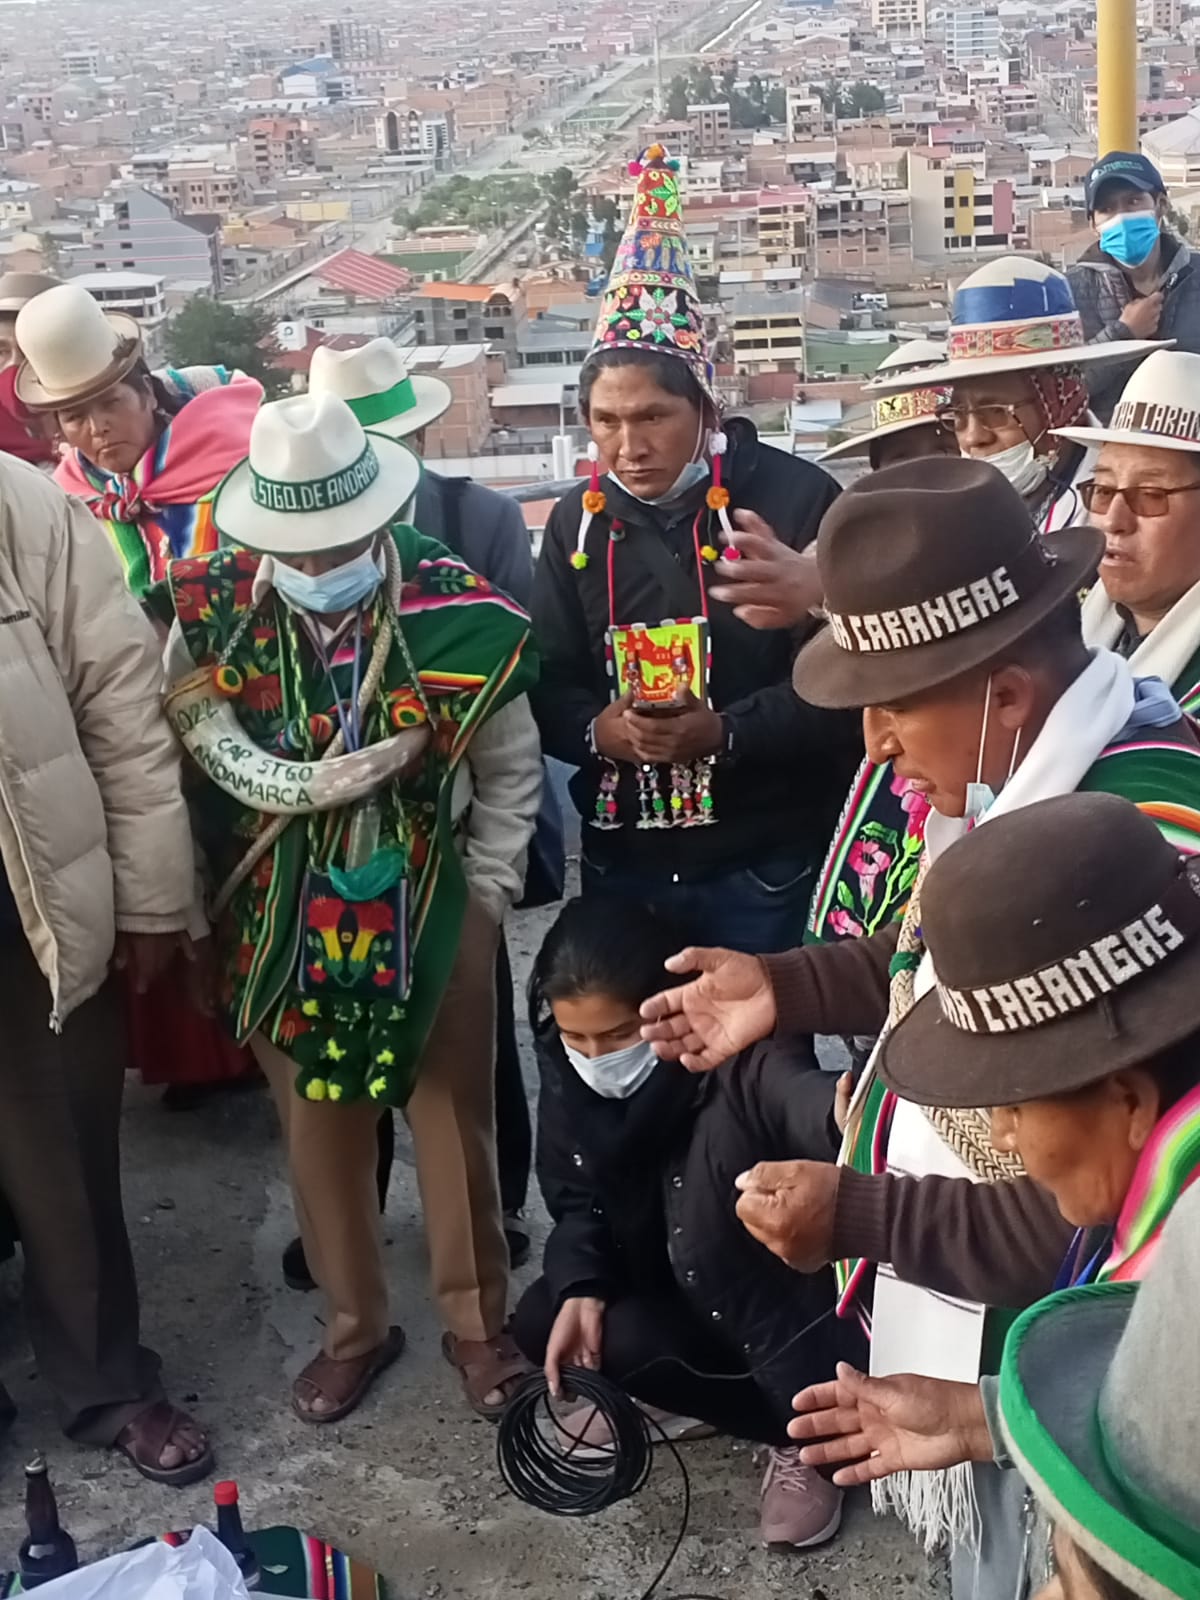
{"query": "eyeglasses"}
(957, 418)
(1144, 500)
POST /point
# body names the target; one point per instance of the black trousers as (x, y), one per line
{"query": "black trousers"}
(60, 1171)
(650, 1342)
(514, 1134)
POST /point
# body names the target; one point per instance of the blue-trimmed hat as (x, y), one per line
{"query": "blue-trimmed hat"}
(1122, 166)
(1014, 314)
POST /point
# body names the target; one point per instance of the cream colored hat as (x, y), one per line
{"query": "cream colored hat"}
(314, 479)
(916, 408)
(1015, 314)
(17, 289)
(73, 349)
(376, 384)
(1159, 407)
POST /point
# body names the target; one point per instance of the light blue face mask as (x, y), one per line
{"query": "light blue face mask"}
(1130, 238)
(981, 797)
(695, 472)
(339, 589)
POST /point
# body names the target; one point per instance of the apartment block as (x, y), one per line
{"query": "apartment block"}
(854, 230)
(279, 145)
(766, 330)
(807, 118)
(972, 34)
(470, 313)
(898, 19)
(143, 234)
(1160, 16)
(956, 209)
(712, 127)
(404, 131)
(783, 227)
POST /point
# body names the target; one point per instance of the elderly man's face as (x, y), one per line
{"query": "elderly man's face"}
(1084, 1147)
(991, 414)
(934, 738)
(1152, 548)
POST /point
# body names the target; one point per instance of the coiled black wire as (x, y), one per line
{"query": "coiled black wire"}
(567, 1482)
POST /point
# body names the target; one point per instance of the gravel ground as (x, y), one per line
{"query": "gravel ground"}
(410, 1483)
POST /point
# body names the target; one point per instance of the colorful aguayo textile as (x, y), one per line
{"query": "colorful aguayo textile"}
(1144, 772)
(295, 1563)
(1167, 1168)
(471, 651)
(162, 510)
(873, 860)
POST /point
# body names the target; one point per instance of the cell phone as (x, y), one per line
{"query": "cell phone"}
(658, 708)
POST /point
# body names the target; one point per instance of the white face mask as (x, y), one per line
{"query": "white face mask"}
(617, 1075)
(1022, 466)
(981, 797)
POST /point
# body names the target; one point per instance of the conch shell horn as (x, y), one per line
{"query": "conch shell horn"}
(206, 725)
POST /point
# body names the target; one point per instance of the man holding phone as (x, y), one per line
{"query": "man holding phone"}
(713, 803)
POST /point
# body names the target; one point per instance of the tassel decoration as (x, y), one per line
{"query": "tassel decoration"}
(718, 495)
(594, 502)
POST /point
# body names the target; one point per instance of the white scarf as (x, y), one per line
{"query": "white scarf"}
(1165, 651)
(914, 1329)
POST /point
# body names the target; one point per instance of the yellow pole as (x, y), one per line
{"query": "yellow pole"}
(1116, 74)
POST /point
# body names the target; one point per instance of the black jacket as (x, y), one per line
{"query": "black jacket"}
(485, 528)
(790, 764)
(1102, 289)
(641, 1192)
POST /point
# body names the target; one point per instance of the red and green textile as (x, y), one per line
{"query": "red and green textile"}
(472, 652)
(872, 862)
(1166, 1169)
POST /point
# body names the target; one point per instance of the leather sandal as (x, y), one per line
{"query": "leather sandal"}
(313, 1382)
(491, 1365)
(143, 1441)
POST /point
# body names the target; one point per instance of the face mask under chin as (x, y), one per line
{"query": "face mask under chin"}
(1022, 466)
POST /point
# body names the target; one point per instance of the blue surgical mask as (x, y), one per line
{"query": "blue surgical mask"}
(616, 1075)
(339, 589)
(695, 472)
(1130, 238)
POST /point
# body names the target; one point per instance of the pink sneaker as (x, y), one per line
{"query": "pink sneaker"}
(799, 1506)
(584, 1433)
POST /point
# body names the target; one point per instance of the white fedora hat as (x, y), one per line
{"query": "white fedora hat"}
(1015, 314)
(376, 384)
(1159, 406)
(896, 413)
(314, 479)
(73, 349)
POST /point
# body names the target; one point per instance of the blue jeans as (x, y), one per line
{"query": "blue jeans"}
(759, 909)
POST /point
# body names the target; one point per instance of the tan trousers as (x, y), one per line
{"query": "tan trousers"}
(332, 1154)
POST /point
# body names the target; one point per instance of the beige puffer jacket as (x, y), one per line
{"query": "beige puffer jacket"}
(94, 832)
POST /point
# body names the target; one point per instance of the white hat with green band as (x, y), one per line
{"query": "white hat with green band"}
(377, 385)
(315, 479)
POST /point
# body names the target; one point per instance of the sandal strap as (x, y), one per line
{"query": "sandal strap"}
(152, 1430)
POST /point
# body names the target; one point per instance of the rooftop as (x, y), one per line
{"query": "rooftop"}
(357, 273)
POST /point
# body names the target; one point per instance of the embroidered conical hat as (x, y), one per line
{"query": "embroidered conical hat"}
(651, 302)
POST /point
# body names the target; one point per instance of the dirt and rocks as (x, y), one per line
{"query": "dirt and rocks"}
(410, 1483)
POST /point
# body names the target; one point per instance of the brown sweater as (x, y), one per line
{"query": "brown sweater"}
(1000, 1244)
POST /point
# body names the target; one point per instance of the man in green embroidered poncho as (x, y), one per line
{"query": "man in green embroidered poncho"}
(355, 697)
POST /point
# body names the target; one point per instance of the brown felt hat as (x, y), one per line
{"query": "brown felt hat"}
(1066, 941)
(931, 568)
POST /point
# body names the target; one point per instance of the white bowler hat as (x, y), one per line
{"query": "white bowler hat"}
(376, 384)
(315, 479)
(897, 413)
(73, 349)
(1159, 406)
(1015, 314)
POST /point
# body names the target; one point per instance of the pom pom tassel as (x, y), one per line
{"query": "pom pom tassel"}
(593, 504)
(718, 495)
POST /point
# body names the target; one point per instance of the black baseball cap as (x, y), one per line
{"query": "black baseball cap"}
(1122, 166)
